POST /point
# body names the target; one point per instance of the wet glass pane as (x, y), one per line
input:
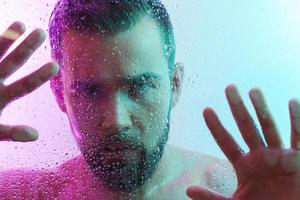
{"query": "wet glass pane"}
(123, 117)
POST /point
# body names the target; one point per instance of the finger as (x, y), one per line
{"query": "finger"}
(265, 119)
(21, 54)
(294, 109)
(225, 141)
(17, 133)
(243, 119)
(28, 83)
(10, 35)
(199, 193)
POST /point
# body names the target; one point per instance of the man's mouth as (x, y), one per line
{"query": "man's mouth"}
(119, 152)
(115, 147)
(118, 145)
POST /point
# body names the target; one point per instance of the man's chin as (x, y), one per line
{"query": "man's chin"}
(119, 175)
(120, 156)
(123, 168)
(118, 170)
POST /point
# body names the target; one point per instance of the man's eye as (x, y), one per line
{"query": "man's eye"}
(92, 91)
(138, 90)
(87, 90)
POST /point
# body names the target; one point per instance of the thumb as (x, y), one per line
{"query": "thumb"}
(199, 193)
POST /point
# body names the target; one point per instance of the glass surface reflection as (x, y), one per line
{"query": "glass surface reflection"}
(118, 85)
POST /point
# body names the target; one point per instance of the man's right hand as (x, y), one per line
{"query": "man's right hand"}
(11, 63)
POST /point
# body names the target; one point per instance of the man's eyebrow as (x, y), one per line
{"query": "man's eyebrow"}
(85, 84)
(149, 76)
(145, 76)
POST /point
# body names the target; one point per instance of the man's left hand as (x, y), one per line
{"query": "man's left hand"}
(268, 171)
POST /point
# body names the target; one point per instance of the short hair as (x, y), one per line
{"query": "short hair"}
(108, 17)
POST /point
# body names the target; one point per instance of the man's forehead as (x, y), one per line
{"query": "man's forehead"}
(145, 34)
(138, 49)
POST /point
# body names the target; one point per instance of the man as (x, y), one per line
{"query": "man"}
(118, 83)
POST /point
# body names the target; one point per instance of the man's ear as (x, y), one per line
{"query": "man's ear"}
(56, 84)
(177, 80)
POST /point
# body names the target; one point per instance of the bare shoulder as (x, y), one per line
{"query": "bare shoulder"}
(221, 177)
(194, 156)
(75, 172)
(21, 174)
(26, 183)
(207, 170)
(72, 166)
(187, 167)
(195, 159)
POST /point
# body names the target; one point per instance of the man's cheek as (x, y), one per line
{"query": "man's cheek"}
(86, 123)
(154, 129)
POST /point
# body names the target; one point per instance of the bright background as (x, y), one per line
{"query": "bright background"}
(250, 43)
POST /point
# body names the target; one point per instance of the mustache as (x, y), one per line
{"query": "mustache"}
(121, 140)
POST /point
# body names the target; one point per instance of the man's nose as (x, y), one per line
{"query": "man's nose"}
(119, 117)
(123, 120)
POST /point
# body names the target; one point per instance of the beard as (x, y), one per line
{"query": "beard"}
(127, 169)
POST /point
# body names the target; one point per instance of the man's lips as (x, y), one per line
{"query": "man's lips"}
(114, 147)
(119, 151)
(112, 156)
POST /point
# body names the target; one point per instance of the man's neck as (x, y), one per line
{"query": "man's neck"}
(77, 169)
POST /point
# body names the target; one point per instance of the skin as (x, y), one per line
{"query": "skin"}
(267, 171)
(126, 94)
(9, 65)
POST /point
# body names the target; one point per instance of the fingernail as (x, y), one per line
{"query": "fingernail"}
(34, 134)
(19, 135)
(36, 38)
(41, 33)
(295, 107)
(209, 116)
(18, 26)
(55, 68)
(258, 99)
(295, 112)
(11, 34)
(233, 94)
(50, 69)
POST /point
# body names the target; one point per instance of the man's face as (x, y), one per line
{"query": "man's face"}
(117, 94)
